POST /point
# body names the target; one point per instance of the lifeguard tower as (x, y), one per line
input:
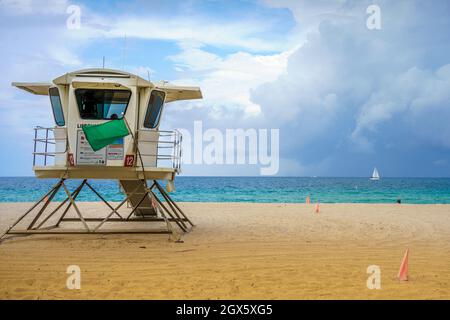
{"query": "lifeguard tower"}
(92, 97)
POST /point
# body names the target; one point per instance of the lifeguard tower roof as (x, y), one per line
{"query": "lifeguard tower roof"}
(97, 75)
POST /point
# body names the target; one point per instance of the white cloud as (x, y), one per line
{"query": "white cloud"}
(63, 56)
(348, 89)
(196, 30)
(420, 98)
(228, 82)
(27, 7)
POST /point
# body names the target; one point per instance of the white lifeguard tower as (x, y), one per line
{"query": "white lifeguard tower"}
(95, 96)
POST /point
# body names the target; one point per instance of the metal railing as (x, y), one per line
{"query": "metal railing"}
(45, 145)
(168, 148)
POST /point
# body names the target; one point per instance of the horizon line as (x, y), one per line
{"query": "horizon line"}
(260, 176)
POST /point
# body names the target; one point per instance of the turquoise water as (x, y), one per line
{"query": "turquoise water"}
(256, 189)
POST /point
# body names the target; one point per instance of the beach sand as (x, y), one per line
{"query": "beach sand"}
(241, 251)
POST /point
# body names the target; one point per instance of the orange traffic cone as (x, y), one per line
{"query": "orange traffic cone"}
(317, 207)
(308, 200)
(403, 272)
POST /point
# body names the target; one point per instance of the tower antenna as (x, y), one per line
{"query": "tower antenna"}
(103, 62)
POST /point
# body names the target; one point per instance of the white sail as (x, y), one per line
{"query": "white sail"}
(375, 174)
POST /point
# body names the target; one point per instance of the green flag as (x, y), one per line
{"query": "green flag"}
(101, 135)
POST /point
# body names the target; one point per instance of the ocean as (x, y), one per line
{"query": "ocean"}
(255, 189)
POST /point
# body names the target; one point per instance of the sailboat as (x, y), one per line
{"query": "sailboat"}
(375, 174)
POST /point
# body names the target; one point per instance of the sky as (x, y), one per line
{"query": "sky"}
(344, 97)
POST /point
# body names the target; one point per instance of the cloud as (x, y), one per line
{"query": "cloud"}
(350, 93)
(196, 30)
(420, 98)
(227, 81)
(28, 7)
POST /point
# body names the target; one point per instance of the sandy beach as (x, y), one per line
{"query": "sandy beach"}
(241, 251)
